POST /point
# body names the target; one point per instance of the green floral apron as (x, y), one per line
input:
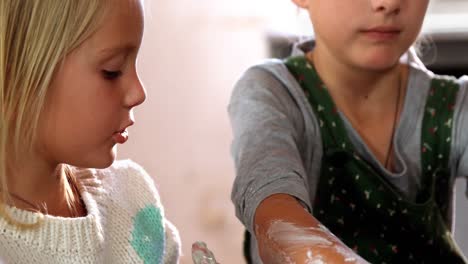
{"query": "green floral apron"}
(366, 211)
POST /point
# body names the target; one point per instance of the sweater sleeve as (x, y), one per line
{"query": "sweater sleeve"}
(173, 248)
(266, 124)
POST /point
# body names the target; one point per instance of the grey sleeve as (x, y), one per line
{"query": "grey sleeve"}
(267, 126)
(460, 137)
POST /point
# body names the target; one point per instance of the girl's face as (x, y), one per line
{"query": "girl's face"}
(92, 96)
(368, 34)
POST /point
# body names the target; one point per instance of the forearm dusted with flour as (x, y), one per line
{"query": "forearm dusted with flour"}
(287, 233)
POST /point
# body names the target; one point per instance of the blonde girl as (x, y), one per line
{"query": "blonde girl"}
(68, 87)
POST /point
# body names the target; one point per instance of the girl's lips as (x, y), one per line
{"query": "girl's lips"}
(382, 33)
(120, 137)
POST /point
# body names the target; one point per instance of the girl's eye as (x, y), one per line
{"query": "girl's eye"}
(111, 75)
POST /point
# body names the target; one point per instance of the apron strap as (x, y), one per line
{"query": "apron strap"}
(332, 128)
(436, 139)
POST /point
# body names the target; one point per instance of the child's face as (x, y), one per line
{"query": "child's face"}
(93, 94)
(369, 34)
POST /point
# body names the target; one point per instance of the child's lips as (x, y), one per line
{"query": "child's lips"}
(382, 33)
(384, 29)
(121, 136)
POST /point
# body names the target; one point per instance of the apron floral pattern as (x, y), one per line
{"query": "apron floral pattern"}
(361, 207)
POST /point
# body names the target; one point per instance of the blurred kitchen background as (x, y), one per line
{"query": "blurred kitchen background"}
(192, 54)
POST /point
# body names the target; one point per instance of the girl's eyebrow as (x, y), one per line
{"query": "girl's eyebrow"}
(122, 49)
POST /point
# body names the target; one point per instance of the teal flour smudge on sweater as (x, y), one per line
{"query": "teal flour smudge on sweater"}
(148, 235)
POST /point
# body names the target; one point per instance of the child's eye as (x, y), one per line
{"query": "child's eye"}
(111, 75)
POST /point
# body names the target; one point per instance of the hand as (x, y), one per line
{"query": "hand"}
(201, 254)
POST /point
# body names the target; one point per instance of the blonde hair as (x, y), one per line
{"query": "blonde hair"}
(35, 37)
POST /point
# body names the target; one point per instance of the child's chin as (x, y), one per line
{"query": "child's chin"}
(381, 66)
(381, 63)
(105, 160)
(105, 164)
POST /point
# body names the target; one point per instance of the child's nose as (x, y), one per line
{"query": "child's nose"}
(136, 93)
(386, 6)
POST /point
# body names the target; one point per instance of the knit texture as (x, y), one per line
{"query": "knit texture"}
(125, 224)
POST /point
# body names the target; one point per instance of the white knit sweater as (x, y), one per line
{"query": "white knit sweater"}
(125, 224)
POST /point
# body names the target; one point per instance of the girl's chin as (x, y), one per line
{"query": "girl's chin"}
(380, 61)
(380, 65)
(104, 160)
(107, 163)
(111, 157)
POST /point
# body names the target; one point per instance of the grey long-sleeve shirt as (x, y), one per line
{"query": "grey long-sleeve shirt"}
(277, 145)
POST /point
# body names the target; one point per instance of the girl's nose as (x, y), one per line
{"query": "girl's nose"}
(136, 93)
(387, 6)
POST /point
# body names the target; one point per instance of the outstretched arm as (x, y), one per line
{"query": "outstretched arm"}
(287, 233)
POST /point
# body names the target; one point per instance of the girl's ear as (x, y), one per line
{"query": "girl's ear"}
(301, 3)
